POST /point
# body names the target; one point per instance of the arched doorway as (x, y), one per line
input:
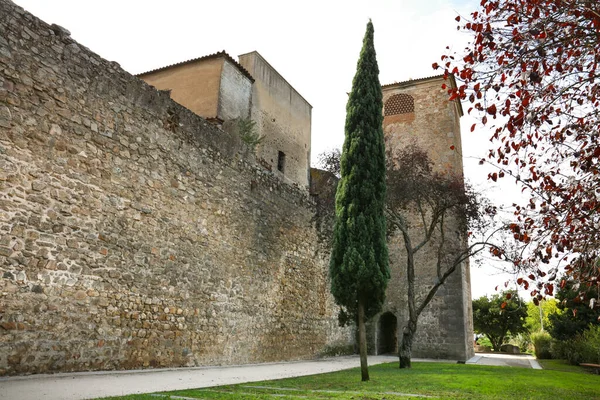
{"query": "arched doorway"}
(387, 337)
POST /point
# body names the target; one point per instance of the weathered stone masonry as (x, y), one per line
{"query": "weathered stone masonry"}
(133, 233)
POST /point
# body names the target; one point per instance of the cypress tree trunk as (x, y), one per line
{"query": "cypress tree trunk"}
(362, 339)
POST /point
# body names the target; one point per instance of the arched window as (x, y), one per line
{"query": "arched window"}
(399, 104)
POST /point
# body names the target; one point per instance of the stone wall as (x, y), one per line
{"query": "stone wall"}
(135, 234)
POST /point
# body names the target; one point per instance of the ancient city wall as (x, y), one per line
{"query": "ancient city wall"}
(133, 233)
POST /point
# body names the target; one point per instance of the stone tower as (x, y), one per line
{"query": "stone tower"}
(418, 111)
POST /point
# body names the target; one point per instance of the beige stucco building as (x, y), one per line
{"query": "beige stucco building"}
(223, 90)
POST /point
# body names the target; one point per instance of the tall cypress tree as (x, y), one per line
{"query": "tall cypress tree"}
(359, 260)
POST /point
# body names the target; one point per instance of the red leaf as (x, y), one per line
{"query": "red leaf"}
(503, 305)
(473, 127)
(452, 147)
(457, 19)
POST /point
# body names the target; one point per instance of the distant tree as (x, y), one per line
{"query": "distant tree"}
(330, 161)
(499, 316)
(538, 316)
(577, 311)
(532, 74)
(359, 259)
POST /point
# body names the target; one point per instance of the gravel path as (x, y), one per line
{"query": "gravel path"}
(89, 385)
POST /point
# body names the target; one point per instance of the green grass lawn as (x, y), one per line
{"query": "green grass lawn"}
(562, 365)
(430, 380)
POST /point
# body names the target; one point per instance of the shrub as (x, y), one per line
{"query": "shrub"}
(248, 132)
(523, 340)
(584, 348)
(591, 338)
(542, 343)
(570, 350)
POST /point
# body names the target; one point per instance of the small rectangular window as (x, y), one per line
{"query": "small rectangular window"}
(281, 162)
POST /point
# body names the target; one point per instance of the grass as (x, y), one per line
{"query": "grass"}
(434, 380)
(561, 365)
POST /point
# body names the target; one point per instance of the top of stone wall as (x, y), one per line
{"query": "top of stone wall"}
(107, 79)
(258, 56)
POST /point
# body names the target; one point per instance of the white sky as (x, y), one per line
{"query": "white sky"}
(313, 44)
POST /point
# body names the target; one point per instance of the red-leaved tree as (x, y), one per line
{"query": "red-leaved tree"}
(532, 75)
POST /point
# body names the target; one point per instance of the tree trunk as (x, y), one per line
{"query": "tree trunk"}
(406, 345)
(496, 342)
(362, 339)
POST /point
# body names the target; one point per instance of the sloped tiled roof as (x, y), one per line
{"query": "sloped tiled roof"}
(415, 80)
(219, 54)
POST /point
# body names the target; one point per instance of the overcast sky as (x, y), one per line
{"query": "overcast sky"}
(313, 44)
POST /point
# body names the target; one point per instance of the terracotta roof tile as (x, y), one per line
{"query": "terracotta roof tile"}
(219, 54)
(413, 80)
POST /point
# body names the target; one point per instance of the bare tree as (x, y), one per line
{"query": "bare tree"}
(433, 212)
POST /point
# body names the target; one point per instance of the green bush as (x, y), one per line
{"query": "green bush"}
(583, 348)
(542, 342)
(560, 349)
(484, 341)
(591, 338)
(249, 133)
(570, 350)
(523, 340)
